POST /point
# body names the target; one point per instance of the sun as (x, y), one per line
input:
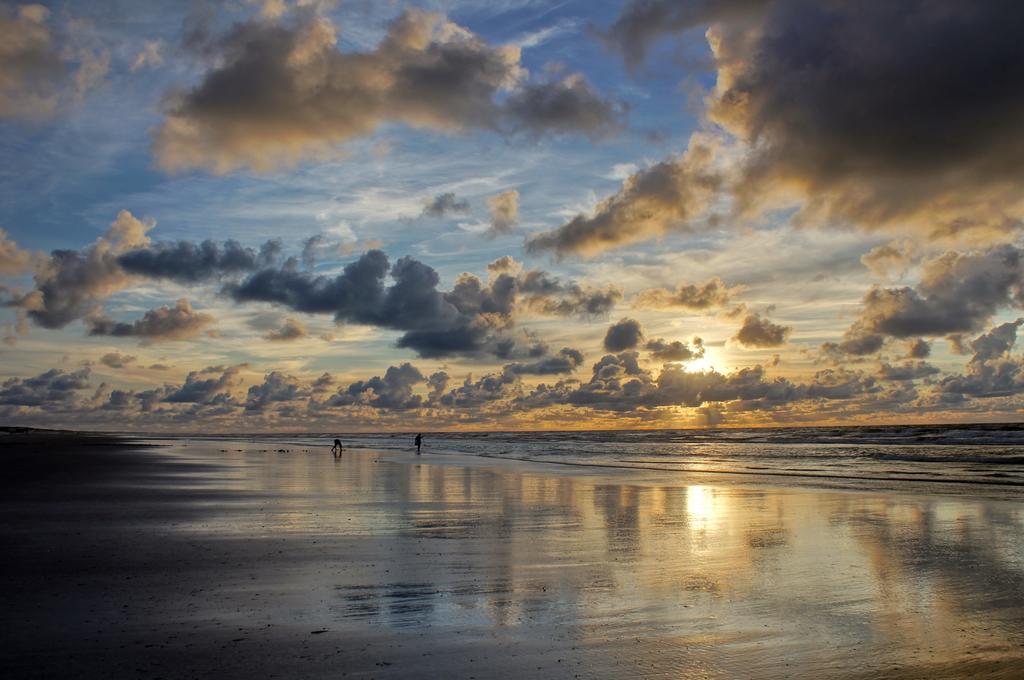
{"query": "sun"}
(708, 362)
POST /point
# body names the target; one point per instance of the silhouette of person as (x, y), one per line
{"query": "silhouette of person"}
(337, 449)
(419, 443)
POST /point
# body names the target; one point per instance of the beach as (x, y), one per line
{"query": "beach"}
(196, 558)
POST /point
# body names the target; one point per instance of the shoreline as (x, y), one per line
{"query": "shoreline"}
(186, 560)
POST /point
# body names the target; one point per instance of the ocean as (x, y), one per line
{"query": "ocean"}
(948, 458)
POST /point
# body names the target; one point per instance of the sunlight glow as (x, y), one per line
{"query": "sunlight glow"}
(700, 502)
(706, 363)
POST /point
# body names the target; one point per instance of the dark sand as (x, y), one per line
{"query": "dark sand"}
(184, 561)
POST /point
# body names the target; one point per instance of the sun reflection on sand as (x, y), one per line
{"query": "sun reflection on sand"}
(736, 578)
(700, 503)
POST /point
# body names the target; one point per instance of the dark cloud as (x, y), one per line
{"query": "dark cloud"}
(550, 295)
(622, 335)
(758, 331)
(323, 383)
(567, 105)
(291, 329)
(116, 359)
(958, 293)
(49, 389)
(911, 116)
(663, 350)
(908, 370)
(919, 349)
(839, 383)
(699, 296)
(394, 391)
(276, 388)
(472, 318)
(179, 322)
(199, 389)
(667, 196)
(565, 361)
(41, 69)
(443, 205)
(70, 283)
(991, 372)
(856, 342)
(438, 383)
(281, 91)
(187, 262)
(643, 22)
(491, 388)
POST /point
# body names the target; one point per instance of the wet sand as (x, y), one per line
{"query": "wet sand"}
(227, 559)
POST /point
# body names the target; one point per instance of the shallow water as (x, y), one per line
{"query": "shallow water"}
(991, 455)
(231, 558)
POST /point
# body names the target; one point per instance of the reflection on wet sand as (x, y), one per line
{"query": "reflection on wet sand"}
(733, 577)
(384, 565)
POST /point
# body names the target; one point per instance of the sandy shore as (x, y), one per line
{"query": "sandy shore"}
(226, 559)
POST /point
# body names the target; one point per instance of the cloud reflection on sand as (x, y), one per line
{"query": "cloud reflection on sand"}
(735, 577)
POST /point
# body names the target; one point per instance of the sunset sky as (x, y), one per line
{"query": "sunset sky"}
(308, 215)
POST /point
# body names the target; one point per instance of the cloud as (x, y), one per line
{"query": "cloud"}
(504, 208)
(758, 331)
(919, 349)
(668, 196)
(51, 388)
(566, 105)
(506, 264)
(473, 318)
(663, 350)
(550, 295)
(281, 91)
(69, 283)
(857, 341)
(325, 247)
(116, 359)
(991, 372)
(888, 131)
(711, 293)
(276, 387)
(198, 389)
(618, 384)
(150, 56)
(291, 329)
(187, 262)
(622, 335)
(711, 416)
(500, 387)
(958, 292)
(443, 205)
(13, 260)
(890, 260)
(40, 70)
(565, 361)
(179, 322)
(908, 370)
(394, 391)
(643, 22)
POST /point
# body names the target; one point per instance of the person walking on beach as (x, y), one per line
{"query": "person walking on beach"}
(419, 443)
(337, 449)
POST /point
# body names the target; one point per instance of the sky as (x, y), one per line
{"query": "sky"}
(305, 215)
